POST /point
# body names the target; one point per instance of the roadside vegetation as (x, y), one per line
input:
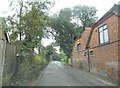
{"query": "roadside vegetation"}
(63, 58)
(26, 27)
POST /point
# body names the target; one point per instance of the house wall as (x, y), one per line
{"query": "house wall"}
(75, 53)
(105, 59)
(79, 60)
(113, 30)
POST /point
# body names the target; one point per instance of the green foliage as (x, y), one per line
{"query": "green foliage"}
(63, 58)
(24, 71)
(27, 27)
(48, 52)
(28, 71)
(64, 29)
(6, 80)
(55, 56)
(85, 14)
(38, 59)
(3, 24)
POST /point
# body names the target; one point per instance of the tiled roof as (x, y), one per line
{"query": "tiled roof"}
(114, 10)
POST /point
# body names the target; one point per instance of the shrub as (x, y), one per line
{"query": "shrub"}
(6, 79)
(29, 70)
(37, 60)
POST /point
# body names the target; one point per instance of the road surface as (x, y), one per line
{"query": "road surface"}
(57, 74)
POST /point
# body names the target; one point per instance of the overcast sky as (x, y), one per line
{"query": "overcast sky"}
(102, 6)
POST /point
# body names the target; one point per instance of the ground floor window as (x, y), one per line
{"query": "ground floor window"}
(91, 53)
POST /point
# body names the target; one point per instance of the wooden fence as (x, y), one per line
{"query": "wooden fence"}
(7, 58)
(2, 56)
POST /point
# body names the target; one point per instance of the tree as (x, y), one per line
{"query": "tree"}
(49, 52)
(63, 57)
(85, 14)
(64, 30)
(55, 56)
(26, 26)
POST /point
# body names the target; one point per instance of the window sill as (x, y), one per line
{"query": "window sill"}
(106, 43)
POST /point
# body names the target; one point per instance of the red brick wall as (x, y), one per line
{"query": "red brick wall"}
(78, 58)
(106, 56)
(119, 27)
(113, 30)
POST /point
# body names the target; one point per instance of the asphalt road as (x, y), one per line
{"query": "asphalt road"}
(57, 74)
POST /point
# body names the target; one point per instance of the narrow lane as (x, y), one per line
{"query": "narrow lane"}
(56, 74)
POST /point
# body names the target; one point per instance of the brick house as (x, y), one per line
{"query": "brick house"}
(97, 49)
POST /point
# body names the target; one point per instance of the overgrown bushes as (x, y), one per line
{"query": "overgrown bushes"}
(63, 58)
(28, 70)
(6, 80)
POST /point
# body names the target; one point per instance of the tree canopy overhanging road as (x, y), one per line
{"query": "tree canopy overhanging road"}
(28, 25)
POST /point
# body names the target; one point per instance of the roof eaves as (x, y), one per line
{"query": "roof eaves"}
(114, 10)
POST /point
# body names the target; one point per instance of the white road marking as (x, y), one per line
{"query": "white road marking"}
(69, 86)
(105, 82)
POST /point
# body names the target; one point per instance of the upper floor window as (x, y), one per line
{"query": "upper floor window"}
(103, 34)
(78, 47)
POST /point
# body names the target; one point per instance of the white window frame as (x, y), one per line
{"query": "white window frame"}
(103, 34)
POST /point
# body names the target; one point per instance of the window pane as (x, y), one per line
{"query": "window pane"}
(101, 37)
(91, 53)
(78, 47)
(106, 35)
(100, 29)
(105, 26)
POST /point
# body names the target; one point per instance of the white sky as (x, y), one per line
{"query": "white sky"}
(102, 6)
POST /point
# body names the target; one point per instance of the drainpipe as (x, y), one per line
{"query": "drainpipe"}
(88, 58)
(72, 50)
